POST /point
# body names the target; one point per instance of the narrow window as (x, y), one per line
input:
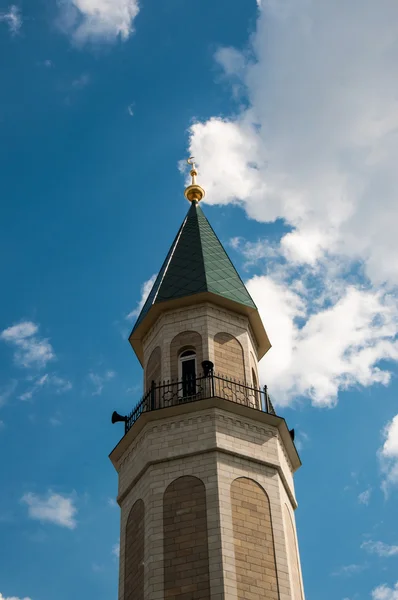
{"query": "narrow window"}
(187, 372)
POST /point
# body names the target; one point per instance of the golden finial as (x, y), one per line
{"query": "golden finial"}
(194, 193)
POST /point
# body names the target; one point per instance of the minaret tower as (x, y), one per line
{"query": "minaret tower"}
(205, 466)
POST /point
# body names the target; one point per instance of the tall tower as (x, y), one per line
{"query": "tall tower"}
(205, 466)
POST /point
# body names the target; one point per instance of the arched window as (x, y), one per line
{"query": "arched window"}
(187, 372)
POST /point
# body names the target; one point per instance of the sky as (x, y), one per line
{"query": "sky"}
(291, 110)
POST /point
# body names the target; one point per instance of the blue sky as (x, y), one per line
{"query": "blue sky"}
(291, 110)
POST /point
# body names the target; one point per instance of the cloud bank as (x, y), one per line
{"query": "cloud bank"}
(314, 146)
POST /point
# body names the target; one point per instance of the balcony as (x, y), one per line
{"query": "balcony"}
(174, 393)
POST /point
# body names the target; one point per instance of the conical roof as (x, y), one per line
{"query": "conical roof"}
(197, 269)
(195, 263)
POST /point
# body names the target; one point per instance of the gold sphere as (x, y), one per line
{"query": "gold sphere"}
(194, 193)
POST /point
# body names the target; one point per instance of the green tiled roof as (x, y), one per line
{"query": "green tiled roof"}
(196, 262)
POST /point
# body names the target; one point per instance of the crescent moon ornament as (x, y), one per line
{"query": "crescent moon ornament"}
(193, 193)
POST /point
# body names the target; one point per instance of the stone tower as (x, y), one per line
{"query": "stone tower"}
(205, 466)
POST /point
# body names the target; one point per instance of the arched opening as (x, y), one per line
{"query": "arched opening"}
(184, 341)
(187, 372)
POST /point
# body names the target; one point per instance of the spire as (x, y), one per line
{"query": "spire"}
(197, 269)
(194, 193)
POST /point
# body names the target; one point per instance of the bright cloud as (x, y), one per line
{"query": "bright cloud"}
(13, 19)
(58, 384)
(12, 598)
(98, 20)
(379, 548)
(6, 391)
(364, 497)
(336, 347)
(30, 349)
(388, 453)
(348, 570)
(116, 550)
(52, 508)
(145, 289)
(99, 380)
(315, 147)
(383, 592)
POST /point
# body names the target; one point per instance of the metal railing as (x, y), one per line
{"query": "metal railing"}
(174, 393)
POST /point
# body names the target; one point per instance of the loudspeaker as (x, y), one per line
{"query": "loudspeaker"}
(116, 417)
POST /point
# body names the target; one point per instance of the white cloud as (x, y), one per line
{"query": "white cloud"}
(52, 508)
(315, 147)
(31, 350)
(348, 570)
(12, 18)
(383, 592)
(301, 439)
(388, 454)
(59, 385)
(379, 548)
(130, 110)
(336, 347)
(99, 381)
(116, 550)
(145, 289)
(6, 391)
(81, 82)
(364, 497)
(98, 20)
(12, 598)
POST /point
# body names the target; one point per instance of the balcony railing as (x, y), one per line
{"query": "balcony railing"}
(174, 393)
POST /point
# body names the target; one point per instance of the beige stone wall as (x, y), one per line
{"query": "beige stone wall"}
(170, 324)
(151, 487)
(205, 319)
(231, 468)
(255, 564)
(218, 447)
(293, 557)
(185, 340)
(229, 360)
(185, 540)
(254, 368)
(153, 369)
(134, 544)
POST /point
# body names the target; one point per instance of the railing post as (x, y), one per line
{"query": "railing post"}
(125, 426)
(153, 395)
(267, 405)
(212, 384)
